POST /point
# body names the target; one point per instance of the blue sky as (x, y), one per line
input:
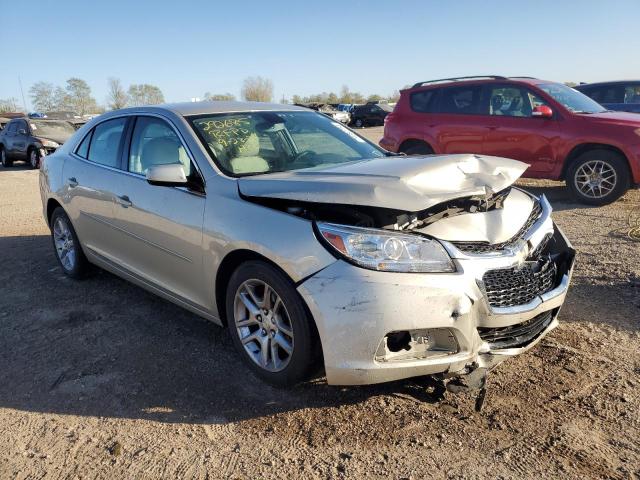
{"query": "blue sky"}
(377, 46)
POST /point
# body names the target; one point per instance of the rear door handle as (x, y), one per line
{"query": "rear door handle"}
(124, 201)
(73, 183)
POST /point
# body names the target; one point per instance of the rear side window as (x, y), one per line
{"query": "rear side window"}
(422, 102)
(83, 148)
(632, 94)
(464, 100)
(608, 94)
(105, 142)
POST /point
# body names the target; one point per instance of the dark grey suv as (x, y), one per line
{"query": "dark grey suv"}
(30, 139)
(622, 95)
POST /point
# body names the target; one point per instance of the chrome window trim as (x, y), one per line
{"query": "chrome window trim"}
(138, 175)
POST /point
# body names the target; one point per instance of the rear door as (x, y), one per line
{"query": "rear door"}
(457, 125)
(20, 140)
(90, 176)
(514, 133)
(9, 137)
(159, 227)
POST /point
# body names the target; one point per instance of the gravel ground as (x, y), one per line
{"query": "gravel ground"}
(103, 380)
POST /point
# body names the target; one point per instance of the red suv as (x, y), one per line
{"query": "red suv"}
(558, 131)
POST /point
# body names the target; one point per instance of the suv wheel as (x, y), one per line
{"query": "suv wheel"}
(34, 158)
(420, 148)
(359, 123)
(6, 163)
(269, 324)
(598, 177)
(67, 246)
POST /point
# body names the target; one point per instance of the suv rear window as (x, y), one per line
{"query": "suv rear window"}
(465, 100)
(422, 102)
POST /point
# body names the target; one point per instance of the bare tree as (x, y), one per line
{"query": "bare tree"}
(145, 94)
(8, 105)
(78, 96)
(43, 96)
(257, 89)
(116, 96)
(219, 96)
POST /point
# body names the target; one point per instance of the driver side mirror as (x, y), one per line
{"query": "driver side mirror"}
(167, 175)
(542, 111)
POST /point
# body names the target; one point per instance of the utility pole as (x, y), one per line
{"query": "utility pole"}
(24, 103)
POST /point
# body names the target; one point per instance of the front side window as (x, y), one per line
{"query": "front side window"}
(105, 142)
(632, 94)
(154, 142)
(513, 102)
(464, 100)
(12, 128)
(571, 99)
(265, 142)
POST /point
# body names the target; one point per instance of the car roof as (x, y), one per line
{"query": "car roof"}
(612, 82)
(203, 108)
(481, 79)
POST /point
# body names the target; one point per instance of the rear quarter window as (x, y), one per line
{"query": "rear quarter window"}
(461, 100)
(423, 101)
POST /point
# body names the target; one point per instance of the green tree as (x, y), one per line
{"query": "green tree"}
(43, 96)
(374, 98)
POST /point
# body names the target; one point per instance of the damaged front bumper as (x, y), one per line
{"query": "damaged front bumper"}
(381, 326)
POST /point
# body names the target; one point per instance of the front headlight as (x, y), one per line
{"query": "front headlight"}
(386, 250)
(49, 143)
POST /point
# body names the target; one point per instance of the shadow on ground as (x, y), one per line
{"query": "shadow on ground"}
(103, 347)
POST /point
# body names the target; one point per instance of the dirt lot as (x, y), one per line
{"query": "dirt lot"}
(100, 379)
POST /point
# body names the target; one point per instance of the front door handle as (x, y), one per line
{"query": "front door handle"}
(73, 183)
(124, 201)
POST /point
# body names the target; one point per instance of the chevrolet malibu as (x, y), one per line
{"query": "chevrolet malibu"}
(310, 244)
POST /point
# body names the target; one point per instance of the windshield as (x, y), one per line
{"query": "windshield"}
(265, 142)
(572, 99)
(51, 129)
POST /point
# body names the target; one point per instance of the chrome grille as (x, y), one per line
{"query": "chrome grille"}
(485, 247)
(510, 287)
(516, 335)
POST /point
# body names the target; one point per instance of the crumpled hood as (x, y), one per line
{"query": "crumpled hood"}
(410, 183)
(54, 138)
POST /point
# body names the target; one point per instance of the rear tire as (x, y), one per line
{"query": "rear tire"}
(420, 148)
(4, 158)
(66, 245)
(359, 123)
(275, 338)
(598, 177)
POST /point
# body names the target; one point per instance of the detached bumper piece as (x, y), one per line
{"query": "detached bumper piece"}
(518, 335)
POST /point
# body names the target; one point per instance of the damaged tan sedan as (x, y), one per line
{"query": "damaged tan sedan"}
(309, 242)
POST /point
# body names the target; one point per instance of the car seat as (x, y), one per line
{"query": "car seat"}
(245, 158)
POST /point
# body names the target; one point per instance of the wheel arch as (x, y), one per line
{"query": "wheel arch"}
(52, 204)
(226, 268)
(586, 147)
(411, 142)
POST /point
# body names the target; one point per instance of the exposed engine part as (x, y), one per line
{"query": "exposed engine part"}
(376, 217)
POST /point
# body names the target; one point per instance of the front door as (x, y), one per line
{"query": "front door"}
(160, 228)
(514, 133)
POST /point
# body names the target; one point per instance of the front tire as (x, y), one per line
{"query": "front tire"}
(417, 149)
(598, 177)
(269, 324)
(67, 246)
(34, 158)
(359, 123)
(4, 158)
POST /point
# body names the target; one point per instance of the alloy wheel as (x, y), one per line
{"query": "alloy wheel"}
(65, 246)
(595, 179)
(263, 325)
